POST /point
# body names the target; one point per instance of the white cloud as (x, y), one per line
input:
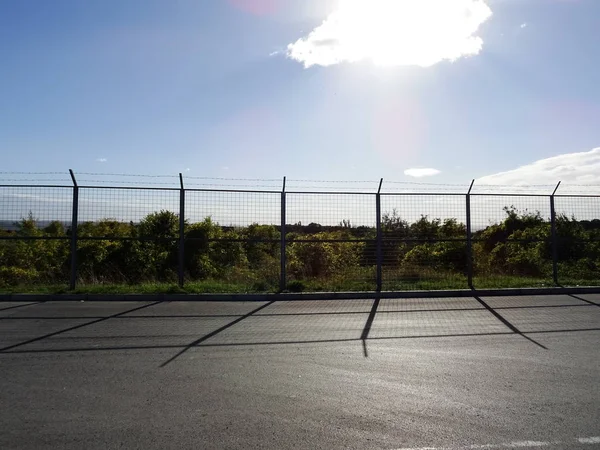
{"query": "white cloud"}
(524, 25)
(101, 160)
(418, 173)
(394, 33)
(570, 168)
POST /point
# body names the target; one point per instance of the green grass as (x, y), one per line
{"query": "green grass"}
(337, 284)
(196, 287)
(510, 281)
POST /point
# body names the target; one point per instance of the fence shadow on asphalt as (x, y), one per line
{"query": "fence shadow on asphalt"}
(367, 329)
(22, 305)
(584, 300)
(76, 327)
(214, 333)
(509, 325)
(365, 335)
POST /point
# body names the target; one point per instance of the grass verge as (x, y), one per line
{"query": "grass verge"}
(308, 285)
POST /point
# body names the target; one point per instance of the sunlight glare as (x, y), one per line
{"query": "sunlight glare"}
(394, 33)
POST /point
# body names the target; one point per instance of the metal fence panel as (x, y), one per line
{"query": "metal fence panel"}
(127, 236)
(331, 242)
(578, 240)
(124, 205)
(40, 203)
(35, 223)
(511, 241)
(265, 241)
(424, 242)
(331, 210)
(232, 241)
(233, 209)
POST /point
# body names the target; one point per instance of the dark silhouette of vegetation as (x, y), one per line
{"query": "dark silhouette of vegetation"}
(341, 257)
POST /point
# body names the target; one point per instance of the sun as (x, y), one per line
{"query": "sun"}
(395, 32)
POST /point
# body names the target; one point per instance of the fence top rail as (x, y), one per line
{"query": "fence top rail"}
(446, 194)
(36, 186)
(296, 192)
(578, 195)
(330, 193)
(130, 188)
(508, 195)
(247, 191)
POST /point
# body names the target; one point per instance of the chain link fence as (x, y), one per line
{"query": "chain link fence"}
(238, 240)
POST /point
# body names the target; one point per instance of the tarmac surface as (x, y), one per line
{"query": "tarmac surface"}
(438, 373)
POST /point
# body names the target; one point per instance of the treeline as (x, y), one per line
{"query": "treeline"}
(109, 251)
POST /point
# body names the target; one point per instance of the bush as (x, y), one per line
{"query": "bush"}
(448, 256)
(248, 257)
(14, 276)
(208, 253)
(296, 286)
(323, 259)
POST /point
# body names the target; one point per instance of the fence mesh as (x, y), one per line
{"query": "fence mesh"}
(423, 241)
(127, 236)
(39, 203)
(125, 205)
(331, 241)
(35, 223)
(511, 241)
(232, 240)
(578, 240)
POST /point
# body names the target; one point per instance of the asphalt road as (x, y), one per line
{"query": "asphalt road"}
(509, 372)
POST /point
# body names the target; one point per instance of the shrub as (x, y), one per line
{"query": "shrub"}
(296, 286)
(14, 276)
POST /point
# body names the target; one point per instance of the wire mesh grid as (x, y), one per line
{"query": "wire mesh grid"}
(238, 249)
(330, 241)
(42, 204)
(578, 240)
(577, 207)
(124, 205)
(511, 241)
(131, 235)
(489, 209)
(412, 208)
(423, 241)
(233, 209)
(127, 235)
(331, 210)
(35, 224)
(331, 265)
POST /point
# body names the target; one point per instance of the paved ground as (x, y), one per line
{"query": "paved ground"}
(511, 372)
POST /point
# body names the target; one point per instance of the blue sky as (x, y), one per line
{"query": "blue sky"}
(148, 86)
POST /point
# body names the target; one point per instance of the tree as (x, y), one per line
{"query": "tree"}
(156, 251)
(105, 260)
(210, 251)
(393, 225)
(262, 244)
(425, 228)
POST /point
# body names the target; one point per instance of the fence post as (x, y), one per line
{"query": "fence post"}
(469, 239)
(282, 274)
(180, 265)
(74, 220)
(379, 251)
(554, 237)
